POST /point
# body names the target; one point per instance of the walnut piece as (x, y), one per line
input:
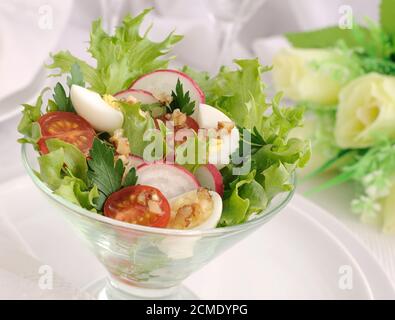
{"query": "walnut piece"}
(191, 210)
(121, 143)
(179, 118)
(225, 126)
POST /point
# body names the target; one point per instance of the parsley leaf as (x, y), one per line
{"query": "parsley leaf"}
(181, 100)
(131, 178)
(102, 171)
(106, 175)
(62, 101)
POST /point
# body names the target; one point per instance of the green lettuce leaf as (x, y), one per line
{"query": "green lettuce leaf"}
(256, 195)
(202, 78)
(28, 125)
(57, 168)
(64, 60)
(245, 197)
(51, 165)
(135, 126)
(240, 93)
(235, 207)
(295, 151)
(120, 58)
(277, 179)
(73, 158)
(75, 191)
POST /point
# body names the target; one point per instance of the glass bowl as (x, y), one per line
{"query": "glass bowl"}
(145, 262)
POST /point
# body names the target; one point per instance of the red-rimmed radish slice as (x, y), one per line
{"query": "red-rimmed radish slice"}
(209, 177)
(142, 96)
(162, 82)
(171, 179)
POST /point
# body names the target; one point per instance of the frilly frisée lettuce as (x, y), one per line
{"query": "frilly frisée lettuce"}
(120, 58)
(103, 170)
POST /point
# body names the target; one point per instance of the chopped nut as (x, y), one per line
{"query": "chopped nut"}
(225, 126)
(154, 207)
(191, 210)
(185, 215)
(121, 143)
(186, 210)
(154, 197)
(179, 118)
(164, 98)
(141, 198)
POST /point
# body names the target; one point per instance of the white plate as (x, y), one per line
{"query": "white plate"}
(299, 254)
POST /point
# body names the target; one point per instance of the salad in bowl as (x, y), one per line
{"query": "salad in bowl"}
(164, 156)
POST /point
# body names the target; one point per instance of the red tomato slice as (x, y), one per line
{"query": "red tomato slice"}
(143, 205)
(68, 127)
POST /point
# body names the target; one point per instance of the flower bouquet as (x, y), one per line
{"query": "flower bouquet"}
(345, 79)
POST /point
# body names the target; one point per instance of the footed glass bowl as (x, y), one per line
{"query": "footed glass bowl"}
(144, 262)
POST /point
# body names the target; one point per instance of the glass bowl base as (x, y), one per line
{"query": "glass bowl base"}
(103, 289)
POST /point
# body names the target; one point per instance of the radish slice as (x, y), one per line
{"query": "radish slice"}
(142, 96)
(171, 179)
(162, 82)
(209, 177)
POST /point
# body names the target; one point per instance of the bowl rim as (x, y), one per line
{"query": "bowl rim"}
(262, 216)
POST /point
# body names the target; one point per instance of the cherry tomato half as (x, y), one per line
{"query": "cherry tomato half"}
(143, 205)
(68, 127)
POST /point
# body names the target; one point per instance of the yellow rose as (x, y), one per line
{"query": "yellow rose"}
(298, 73)
(366, 111)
